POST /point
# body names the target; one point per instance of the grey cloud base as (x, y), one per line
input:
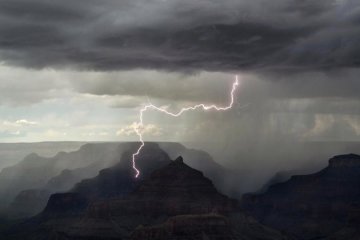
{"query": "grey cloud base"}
(180, 35)
(298, 62)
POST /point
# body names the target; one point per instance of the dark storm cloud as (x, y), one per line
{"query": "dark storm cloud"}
(308, 8)
(33, 36)
(39, 10)
(204, 47)
(180, 35)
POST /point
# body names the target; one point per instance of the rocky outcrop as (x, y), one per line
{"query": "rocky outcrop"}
(65, 204)
(172, 190)
(36, 172)
(225, 180)
(28, 203)
(174, 202)
(111, 182)
(345, 161)
(31, 202)
(119, 179)
(314, 205)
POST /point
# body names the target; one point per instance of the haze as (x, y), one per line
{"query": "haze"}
(80, 71)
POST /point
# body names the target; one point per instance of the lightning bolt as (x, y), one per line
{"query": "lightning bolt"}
(140, 124)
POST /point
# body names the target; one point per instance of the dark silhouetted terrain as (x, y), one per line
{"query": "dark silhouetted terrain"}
(313, 206)
(13, 153)
(36, 173)
(189, 198)
(175, 201)
(34, 179)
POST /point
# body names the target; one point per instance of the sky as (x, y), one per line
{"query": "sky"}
(81, 70)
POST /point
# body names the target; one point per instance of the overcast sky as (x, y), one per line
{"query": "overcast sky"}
(80, 70)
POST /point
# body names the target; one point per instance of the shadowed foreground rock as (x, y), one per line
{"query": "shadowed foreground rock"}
(175, 202)
(313, 206)
(114, 181)
(172, 190)
(181, 227)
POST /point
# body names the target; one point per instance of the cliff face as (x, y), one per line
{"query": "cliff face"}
(178, 181)
(28, 203)
(65, 204)
(313, 205)
(93, 183)
(111, 182)
(172, 190)
(37, 172)
(119, 179)
(108, 182)
(226, 180)
(345, 161)
(174, 202)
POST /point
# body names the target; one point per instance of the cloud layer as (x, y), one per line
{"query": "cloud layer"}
(80, 69)
(180, 35)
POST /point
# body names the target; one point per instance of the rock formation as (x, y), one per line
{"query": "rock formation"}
(174, 189)
(28, 203)
(314, 205)
(174, 202)
(171, 201)
(37, 173)
(93, 181)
